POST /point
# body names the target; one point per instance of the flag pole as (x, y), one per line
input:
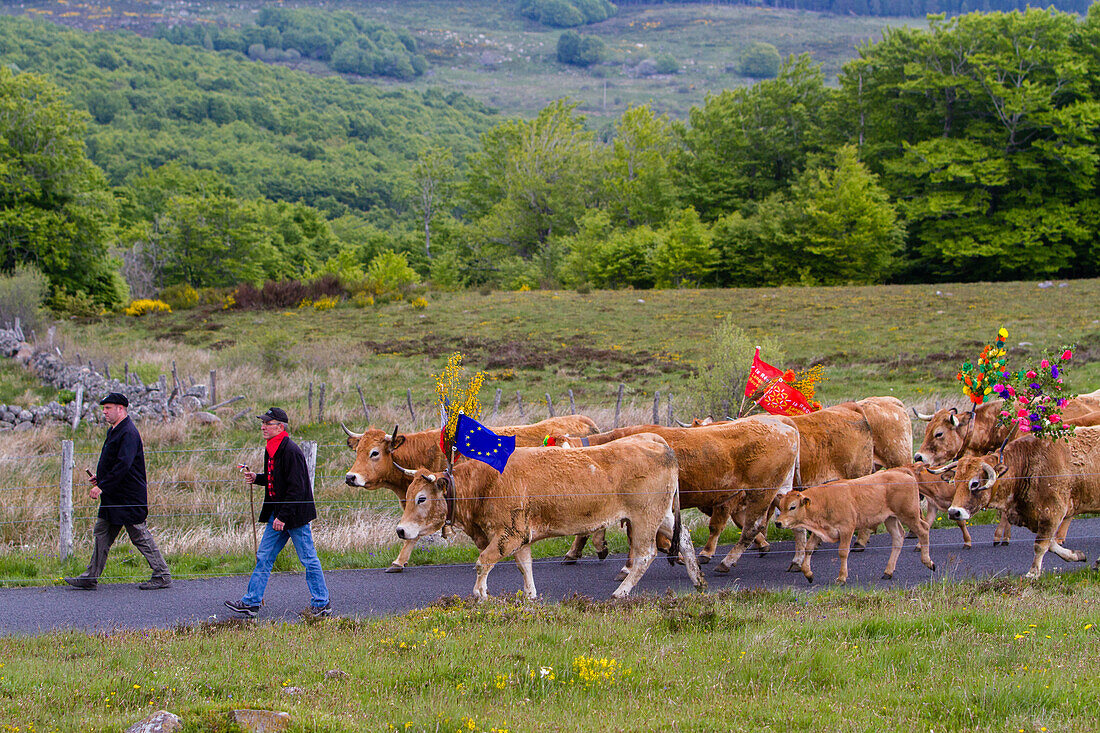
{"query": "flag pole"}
(741, 409)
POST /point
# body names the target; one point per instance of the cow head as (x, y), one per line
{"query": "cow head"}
(374, 466)
(974, 480)
(425, 509)
(792, 509)
(943, 436)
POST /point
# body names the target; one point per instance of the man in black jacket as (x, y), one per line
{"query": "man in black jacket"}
(119, 484)
(288, 509)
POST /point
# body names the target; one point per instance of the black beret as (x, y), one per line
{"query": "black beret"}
(274, 414)
(115, 398)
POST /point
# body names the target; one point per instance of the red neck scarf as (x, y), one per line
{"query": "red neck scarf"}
(274, 442)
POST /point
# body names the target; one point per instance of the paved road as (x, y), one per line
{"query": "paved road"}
(375, 593)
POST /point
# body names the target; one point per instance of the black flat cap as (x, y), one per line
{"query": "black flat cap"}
(115, 398)
(273, 414)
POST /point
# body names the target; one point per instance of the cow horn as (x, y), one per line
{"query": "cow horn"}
(683, 424)
(349, 433)
(402, 469)
(394, 436)
(943, 468)
(922, 416)
(990, 476)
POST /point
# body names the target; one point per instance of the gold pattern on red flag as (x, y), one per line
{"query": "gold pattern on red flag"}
(779, 396)
(783, 399)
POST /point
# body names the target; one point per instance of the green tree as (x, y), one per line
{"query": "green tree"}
(744, 144)
(760, 60)
(432, 184)
(685, 253)
(56, 211)
(638, 185)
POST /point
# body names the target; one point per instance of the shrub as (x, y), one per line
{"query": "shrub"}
(667, 64)
(389, 274)
(325, 303)
(578, 50)
(286, 293)
(180, 297)
(75, 305)
(65, 396)
(720, 381)
(146, 305)
(760, 61)
(419, 303)
(21, 296)
(363, 299)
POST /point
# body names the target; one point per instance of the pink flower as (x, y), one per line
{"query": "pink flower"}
(1044, 363)
(1004, 413)
(1025, 428)
(1066, 355)
(1055, 418)
(1021, 413)
(1011, 391)
(1031, 374)
(1023, 400)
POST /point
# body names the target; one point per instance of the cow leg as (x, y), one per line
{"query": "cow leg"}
(863, 536)
(1003, 533)
(809, 545)
(1044, 537)
(402, 557)
(643, 548)
(625, 570)
(1063, 530)
(966, 534)
(687, 555)
(485, 562)
(719, 518)
(756, 519)
(897, 539)
(799, 550)
(523, 561)
(1067, 554)
(845, 547)
(575, 550)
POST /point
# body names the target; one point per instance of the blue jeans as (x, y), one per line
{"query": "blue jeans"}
(270, 546)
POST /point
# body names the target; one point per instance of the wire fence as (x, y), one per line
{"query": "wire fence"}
(213, 501)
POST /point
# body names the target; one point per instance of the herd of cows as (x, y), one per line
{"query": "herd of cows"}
(829, 475)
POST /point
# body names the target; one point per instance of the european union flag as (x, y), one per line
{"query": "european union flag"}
(474, 440)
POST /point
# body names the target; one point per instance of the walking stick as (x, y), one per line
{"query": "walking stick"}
(243, 467)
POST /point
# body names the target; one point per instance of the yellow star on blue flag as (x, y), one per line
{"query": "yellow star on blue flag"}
(474, 440)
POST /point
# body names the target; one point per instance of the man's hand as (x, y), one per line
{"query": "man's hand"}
(95, 492)
(278, 525)
(250, 477)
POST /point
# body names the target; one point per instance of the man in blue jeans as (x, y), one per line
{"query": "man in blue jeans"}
(288, 509)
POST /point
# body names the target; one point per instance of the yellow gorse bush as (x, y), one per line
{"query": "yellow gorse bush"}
(591, 671)
(457, 394)
(419, 303)
(146, 305)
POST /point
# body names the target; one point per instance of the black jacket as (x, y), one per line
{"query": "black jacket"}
(120, 474)
(291, 497)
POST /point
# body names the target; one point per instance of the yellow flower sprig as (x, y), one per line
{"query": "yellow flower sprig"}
(457, 394)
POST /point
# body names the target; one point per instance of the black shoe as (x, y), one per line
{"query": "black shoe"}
(155, 584)
(82, 583)
(242, 609)
(318, 611)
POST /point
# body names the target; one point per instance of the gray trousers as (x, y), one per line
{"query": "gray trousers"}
(105, 534)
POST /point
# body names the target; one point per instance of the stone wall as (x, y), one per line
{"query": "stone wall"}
(157, 401)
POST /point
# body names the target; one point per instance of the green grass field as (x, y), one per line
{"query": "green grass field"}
(999, 655)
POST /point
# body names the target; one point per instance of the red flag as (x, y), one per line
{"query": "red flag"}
(783, 399)
(760, 373)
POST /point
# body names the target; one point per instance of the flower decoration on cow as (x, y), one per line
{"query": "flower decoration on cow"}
(458, 395)
(978, 379)
(1035, 395)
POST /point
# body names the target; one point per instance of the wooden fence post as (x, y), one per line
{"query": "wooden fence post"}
(496, 404)
(572, 404)
(409, 399)
(321, 404)
(668, 400)
(126, 373)
(310, 399)
(65, 543)
(619, 404)
(549, 405)
(78, 402)
(309, 448)
(213, 386)
(519, 401)
(363, 402)
(656, 405)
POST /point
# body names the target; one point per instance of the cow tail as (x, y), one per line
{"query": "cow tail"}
(677, 527)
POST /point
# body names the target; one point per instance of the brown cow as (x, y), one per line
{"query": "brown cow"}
(938, 487)
(1036, 483)
(726, 468)
(377, 452)
(950, 435)
(891, 430)
(551, 492)
(833, 512)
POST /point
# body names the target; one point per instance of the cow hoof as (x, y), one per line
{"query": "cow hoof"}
(932, 567)
(966, 546)
(395, 568)
(765, 549)
(721, 568)
(568, 560)
(794, 567)
(621, 576)
(858, 547)
(602, 554)
(885, 576)
(704, 559)
(842, 581)
(1082, 557)
(810, 578)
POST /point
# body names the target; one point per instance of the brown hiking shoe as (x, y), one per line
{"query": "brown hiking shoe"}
(155, 584)
(82, 583)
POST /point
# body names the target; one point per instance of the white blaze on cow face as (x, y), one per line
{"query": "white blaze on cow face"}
(425, 506)
(974, 480)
